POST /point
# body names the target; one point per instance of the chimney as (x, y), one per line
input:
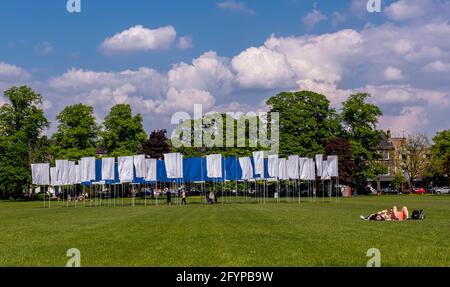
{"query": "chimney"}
(389, 134)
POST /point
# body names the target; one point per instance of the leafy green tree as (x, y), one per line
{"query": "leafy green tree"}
(77, 133)
(415, 160)
(360, 119)
(307, 122)
(22, 122)
(440, 153)
(397, 181)
(124, 133)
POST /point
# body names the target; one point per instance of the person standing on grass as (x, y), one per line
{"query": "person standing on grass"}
(169, 197)
(183, 198)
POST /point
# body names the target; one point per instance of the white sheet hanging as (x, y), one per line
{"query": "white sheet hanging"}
(325, 175)
(139, 165)
(72, 173)
(246, 167)
(108, 168)
(258, 159)
(312, 169)
(319, 160)
(174, 165)
(53, 181)
(282, 169)
(333, 166)
(62, 171)
(87, 169)
(272, 166)
(292, 167)
(40, 174)
(126, 172)
(77, 174)
(150, 165)
(214, 166)
(304, 168)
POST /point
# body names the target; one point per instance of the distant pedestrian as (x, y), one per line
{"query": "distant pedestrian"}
(183, 198)
(169, 197)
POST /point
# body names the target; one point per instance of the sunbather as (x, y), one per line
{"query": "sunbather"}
(386, 215)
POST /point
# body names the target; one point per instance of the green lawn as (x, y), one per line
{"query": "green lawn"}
(285, 234)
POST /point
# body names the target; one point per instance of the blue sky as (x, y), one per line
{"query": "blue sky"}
(230, 55)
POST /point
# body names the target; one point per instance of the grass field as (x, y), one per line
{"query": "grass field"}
(284, 234)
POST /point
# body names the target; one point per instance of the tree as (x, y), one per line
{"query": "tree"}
(397, 181)
(124, 133)
(342, 148)
(440, 153)
(22, 122)
(77, 133)
(415, 159)
(157, 144)
(360, 119)
(306, 122)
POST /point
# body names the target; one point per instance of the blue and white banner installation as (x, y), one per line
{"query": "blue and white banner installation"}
(40, 174)
(72, 173)
(139, 166)
(214, 166)
(312, 169)
(77, 174)
(108, 168)
(272, 166)
(87, 169)
(125, 168)
(246, 167)
(151, 167)
(62, 172)
(258, 159)
(174, 165)
(292, 167)
(304, 168)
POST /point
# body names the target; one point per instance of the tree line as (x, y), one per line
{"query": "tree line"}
(308, 125)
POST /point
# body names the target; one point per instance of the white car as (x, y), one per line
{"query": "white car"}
(443, 190)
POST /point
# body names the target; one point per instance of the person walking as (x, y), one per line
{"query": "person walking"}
(183, 197)
(169, 197)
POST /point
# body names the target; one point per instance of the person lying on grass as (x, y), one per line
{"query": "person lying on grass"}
(386, 215)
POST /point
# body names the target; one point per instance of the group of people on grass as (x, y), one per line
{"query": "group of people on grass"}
(385, 215)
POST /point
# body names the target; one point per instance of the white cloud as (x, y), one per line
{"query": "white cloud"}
(313, 18)
(44, 49)
(10, 73)
(438, 67)
(392, 74)
(185, 42)
(139, 38)
(338, 18)
(235, 6)
(411, 118)
(406, 9)
(262, 68)
(209, 72)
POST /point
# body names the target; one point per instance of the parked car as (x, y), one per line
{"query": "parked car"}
(442, 190)
(420, 190)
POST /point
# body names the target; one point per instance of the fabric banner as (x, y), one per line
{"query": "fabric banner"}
(304, 168)
(125, 168)
(174, 165)
(319, 160)
(282, 169)
(87, 168)
(72, 173)
(77, 174)
(325, 175)
(150, 165)
(246, 167)
(272, 166)
(53, 181)
(214, 166)
(292, 167)
(62, 172)
(258, 158)
(108, 168)
(333, 167)
(139, 166)
(312, 169)
(40, 174)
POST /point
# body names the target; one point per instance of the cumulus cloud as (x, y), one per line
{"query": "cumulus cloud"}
(437, 67)
(313, 18)
(406, 9)
(44, 49)
(185, 42)
(392, 74)
(235, 6)
(10, 73)
(262, 68)
(139, 38)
